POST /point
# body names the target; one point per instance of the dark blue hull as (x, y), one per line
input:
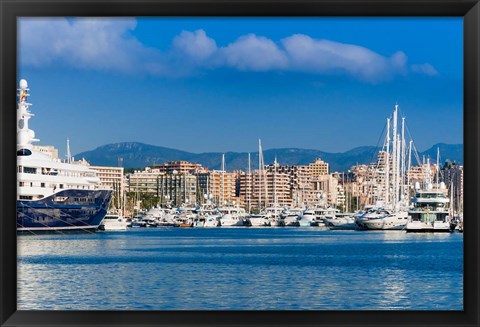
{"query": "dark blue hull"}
(65, 211)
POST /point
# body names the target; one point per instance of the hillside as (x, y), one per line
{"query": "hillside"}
(139, 155)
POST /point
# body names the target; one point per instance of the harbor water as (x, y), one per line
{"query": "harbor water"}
(240, 269)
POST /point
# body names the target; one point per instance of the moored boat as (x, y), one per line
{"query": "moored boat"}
(113, 222)
(53, 196)
(430, 213)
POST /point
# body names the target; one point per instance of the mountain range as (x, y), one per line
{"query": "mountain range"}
(140, 155)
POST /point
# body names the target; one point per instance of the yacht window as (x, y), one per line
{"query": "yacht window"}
(42, 184)
(24, 152)
(29, 170)
(21, 184)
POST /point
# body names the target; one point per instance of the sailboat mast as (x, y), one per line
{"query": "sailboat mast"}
(264, 177)
(185, 185)
(402, 172)
(222, 199)
(274, 184)
(394, 157)
(452, 208)
(259, 174)
(438, 166)
(409, 165)
(397, 177)
(69, 156)
(249, 176)
(387, 165)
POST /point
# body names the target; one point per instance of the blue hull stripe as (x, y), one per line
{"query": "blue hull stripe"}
(48, 215)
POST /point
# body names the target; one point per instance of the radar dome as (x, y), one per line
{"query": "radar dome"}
(442, 186)
(23, 84)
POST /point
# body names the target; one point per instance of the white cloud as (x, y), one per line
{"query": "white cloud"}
(426, 69)
(109, 44)
(94, 43)
(196, 45)
(324, 56)
(253, 53)
(295, 53)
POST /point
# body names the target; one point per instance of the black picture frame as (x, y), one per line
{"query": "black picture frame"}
(10, 10)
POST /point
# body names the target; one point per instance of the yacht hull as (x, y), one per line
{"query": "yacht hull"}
(420, 227)
(64, 211)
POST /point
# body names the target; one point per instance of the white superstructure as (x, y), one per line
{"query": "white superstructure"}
(53, 195)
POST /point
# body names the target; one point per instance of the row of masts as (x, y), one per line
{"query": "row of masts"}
(262, 179)
(396, 165)
(399, 162)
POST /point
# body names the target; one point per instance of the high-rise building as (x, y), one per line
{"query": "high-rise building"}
(452, 176)
(180, 167)
(219, 185)
(174, 188)
(318, 168)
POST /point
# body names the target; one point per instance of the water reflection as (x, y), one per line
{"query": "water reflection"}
(248, 269)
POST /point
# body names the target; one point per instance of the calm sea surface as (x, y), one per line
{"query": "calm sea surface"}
(240, 269)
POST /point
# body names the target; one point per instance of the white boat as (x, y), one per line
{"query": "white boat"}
(207, 221)
(185, 216)
(166, 217)
(332, 218)
(113, 222)
(155, 213)
(383, 219)
(232, 216)
(307, 219)
(150, 221)
(207, 216)
(259, 220)
(52, 195)
(289, 217)
(341, 221)
(229, 219)
(459, 225)
(430, 212)
(274, 215)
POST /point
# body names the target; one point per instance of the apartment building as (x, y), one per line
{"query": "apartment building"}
(221, 185)
(180, 167)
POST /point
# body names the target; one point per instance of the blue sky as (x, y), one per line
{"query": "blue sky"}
(219, 84)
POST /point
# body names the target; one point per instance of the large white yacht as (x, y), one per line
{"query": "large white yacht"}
(380, 218)
(52, 195)
(430, 212)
